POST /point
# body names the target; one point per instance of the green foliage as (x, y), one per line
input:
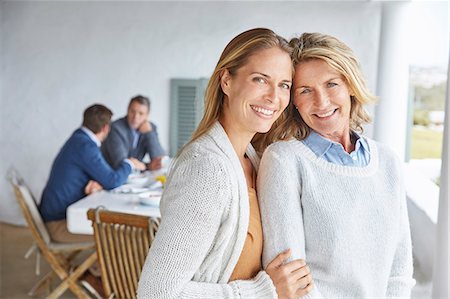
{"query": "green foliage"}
(426, 144)
(421, 117)
(432, 98)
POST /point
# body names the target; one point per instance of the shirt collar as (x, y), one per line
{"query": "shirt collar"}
(361, 142)
(135, 131)
(92, 136)
(320, 145)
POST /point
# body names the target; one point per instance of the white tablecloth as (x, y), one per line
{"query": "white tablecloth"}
(117, 200)
(78, 223)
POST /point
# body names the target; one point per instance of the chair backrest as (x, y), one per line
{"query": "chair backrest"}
(29, 208)
(122, 242)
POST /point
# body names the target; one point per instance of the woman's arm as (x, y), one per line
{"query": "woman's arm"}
(192, 208)
(400, 281)
(279, 189)
(279, 193)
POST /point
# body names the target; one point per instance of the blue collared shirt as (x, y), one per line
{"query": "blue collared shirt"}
(136, 134)
(92, 136)
(99, 143)
(334, 152)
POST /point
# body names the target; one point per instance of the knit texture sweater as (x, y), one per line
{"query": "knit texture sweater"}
(350, 224)
(204, 224)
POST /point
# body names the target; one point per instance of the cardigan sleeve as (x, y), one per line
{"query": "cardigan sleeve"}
(191, 209)
(279, 193)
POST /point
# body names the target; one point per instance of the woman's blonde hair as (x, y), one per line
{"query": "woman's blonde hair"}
(340, 57)
(235, 55)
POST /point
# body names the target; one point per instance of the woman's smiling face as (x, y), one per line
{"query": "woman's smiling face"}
(258, 92)
(322, 98)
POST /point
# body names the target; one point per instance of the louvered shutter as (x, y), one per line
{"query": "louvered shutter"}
(187, 98)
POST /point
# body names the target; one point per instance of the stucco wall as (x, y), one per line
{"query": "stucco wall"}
(59, 57)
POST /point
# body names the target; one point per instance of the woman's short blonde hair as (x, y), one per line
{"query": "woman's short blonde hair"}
(340, 57)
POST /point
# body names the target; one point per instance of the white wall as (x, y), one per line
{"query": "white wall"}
(59, 57)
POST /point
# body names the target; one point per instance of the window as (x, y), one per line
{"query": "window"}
(428, 91)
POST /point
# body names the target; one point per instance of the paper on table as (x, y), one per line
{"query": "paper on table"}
(155, 185)
(129, 188)
(132, 188)
(151, 198)
(137, 180)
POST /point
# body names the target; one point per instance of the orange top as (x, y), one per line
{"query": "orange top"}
(249, 263)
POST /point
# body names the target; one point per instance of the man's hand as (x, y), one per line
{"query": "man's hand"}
(92, 186)
(145, 127)
(137, 164)
(155, 163)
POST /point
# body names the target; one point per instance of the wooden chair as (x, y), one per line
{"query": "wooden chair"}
(59, 255)
(122, 242)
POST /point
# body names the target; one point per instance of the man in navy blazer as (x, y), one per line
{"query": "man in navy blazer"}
(134, 136)
(79, 169)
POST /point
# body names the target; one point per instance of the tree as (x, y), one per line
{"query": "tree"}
(432, 98)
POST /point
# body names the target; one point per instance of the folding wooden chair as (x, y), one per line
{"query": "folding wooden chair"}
(122, 242)
(59, 255)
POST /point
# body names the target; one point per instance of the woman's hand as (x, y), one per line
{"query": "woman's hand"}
(291, 280)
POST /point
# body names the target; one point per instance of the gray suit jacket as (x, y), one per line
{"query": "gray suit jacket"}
(119, 143)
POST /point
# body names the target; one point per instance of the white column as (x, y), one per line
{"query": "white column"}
(440, 273)
(390, 121)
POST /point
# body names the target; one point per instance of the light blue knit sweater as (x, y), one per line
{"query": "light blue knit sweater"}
(349, 223)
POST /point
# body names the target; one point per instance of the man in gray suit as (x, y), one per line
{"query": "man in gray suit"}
(134, 136)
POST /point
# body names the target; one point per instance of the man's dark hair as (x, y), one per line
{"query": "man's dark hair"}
(141, 100)
(95, 117)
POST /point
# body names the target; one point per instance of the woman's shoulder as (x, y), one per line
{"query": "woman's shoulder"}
(284, 147)
(286, 152)
(384, 154)
(381, 149)
(199, 169)
(202, 147)
(201, 154)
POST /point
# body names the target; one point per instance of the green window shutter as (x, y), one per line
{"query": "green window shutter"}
(186, 111)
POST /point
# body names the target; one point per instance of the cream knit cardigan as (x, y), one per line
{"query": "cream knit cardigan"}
(205, 215)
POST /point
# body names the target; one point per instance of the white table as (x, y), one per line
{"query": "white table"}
(116, 200)
(78, 223)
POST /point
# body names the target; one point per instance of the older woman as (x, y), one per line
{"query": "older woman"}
(209, 243)
(332, 195)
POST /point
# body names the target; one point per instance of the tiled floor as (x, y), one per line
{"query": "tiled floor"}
(17, 275)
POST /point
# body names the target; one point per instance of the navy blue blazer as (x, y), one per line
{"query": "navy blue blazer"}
(78, 161)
